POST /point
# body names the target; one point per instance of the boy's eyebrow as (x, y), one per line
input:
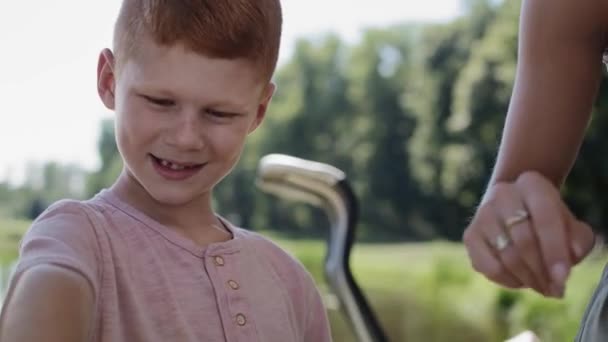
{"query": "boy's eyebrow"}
(148, 88)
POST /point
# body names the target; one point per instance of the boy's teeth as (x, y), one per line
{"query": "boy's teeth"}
(171, 165)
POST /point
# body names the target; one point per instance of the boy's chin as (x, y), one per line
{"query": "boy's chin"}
(173, 198)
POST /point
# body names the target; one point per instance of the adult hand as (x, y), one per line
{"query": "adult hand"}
(524, 236)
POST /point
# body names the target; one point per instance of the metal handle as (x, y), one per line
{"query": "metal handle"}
(325, 186)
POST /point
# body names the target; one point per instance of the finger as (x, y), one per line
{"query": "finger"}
(506, 203)
(508, 257)
(486, 263)
(512, 261)
(543, 202)
(580, 235)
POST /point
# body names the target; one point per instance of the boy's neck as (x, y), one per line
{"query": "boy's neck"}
(195, 220)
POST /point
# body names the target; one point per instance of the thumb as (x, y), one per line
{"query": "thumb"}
(581, 239)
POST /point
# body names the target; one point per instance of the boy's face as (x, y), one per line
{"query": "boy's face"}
(181, 118)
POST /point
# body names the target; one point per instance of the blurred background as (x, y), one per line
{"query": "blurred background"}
(407, 97)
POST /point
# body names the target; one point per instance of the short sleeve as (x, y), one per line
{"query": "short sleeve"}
(63, 236)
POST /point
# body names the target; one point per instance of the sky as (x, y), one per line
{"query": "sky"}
(49, 109)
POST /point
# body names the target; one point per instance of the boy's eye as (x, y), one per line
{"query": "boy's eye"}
(159, 101)
(222, 115)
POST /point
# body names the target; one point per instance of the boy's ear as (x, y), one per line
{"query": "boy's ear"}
(106, 79)
(263, 106)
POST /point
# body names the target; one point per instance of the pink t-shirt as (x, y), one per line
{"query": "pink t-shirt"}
(152, 284)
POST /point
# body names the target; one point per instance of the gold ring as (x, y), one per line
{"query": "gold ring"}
(519, 217)
(501, 242)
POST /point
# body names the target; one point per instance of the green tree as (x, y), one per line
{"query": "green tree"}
(111, 162)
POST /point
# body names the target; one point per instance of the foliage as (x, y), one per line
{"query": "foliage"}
(412, 113)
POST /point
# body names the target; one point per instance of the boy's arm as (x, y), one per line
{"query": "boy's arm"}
(47, 303)
(55, 284)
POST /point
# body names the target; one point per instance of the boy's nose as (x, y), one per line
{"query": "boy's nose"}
(187, 135)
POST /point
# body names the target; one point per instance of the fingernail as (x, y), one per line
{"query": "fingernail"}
(578, 251)
(557, 291)
(559, 273)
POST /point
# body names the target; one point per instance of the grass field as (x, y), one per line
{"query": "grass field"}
(428, 292)
(10, 234)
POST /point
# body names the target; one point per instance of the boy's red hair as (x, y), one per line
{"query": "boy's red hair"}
(248, 29)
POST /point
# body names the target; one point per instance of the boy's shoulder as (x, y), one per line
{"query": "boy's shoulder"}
(61, 209)
(65, 218)
(266, 245)
(63, 235)
(282, 260)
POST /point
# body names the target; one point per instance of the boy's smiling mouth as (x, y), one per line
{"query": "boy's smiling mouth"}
(173, 170)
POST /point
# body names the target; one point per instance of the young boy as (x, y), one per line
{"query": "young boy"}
(148, 259)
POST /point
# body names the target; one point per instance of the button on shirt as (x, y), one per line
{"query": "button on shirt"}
(152, 284)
